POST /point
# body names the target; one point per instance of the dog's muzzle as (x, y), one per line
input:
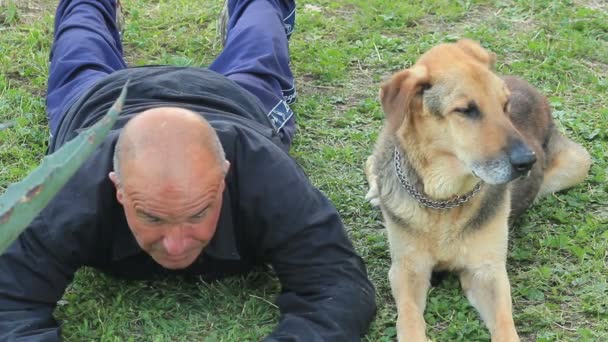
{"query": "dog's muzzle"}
(521, 157)
(514, 161)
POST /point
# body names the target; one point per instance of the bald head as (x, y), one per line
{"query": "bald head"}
(170, 175)
(167, 143)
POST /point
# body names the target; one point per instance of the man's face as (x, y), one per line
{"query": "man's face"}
(173, 218)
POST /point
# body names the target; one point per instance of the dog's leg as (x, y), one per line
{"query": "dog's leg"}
(373, 193)
(410, 281)
(568, 165)
(487, 288)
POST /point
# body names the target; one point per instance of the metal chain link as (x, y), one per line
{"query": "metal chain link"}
(427, 202)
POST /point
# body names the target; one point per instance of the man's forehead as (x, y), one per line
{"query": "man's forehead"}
(173, 198)
(191, 182)
(194, 162)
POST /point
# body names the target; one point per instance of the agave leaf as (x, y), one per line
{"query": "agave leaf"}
(25, 199)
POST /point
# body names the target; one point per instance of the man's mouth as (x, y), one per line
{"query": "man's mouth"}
(177, 258)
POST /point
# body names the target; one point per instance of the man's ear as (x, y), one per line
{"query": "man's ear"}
(114, 178)
(226, 167)
(402, 94)
(475, 50)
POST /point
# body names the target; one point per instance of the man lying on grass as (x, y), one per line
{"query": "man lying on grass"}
(193, 180)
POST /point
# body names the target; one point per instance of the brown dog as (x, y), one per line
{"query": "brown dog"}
(462, 152)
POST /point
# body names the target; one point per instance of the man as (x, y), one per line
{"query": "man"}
(194, 179)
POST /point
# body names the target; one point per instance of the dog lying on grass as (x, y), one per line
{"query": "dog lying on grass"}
(463, 153)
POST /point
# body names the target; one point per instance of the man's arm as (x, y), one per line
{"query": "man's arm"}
(36, 269)
(31, 283)
(326, 295)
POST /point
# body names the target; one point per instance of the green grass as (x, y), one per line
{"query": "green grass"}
(341, 51)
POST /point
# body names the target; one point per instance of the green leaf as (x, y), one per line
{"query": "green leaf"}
(25, 199)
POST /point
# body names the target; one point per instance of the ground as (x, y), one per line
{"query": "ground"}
(341, 52)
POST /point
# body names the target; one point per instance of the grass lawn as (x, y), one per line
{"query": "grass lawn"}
(341, 51)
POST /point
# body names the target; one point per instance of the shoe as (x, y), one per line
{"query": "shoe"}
(289, 22)
(120, 18)
(222, 23)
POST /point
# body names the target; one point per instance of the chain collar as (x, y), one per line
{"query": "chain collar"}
(423, 199)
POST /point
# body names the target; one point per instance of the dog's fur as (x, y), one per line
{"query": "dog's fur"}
(456, 123)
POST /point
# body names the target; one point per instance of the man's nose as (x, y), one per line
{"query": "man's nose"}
(174, 242)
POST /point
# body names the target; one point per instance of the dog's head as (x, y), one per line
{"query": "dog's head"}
(450, 103)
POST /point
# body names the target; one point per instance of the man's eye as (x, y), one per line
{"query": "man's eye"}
(152, 219)
(200, 215)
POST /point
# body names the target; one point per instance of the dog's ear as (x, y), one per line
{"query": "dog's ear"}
(477, 51)
(402, 94)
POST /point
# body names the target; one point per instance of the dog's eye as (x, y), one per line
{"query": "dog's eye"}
(470, 111)
(424, 88)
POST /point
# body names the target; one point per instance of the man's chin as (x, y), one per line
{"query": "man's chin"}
(176, 263)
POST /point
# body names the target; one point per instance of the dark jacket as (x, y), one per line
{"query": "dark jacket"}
(271, 214)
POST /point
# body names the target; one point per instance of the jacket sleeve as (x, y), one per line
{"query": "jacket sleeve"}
(326, 294)
(36, 269)
(32, 280)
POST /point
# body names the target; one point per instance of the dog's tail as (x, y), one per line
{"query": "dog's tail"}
(567, 164)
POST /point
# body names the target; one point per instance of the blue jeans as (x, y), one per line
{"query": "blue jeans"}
(87, 47)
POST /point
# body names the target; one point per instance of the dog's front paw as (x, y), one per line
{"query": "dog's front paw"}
(372, 197)
(373, 194)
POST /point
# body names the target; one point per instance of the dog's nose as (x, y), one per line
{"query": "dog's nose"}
(522, 158)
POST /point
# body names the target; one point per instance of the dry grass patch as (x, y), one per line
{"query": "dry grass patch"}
(29, 11)
(600, 5)
(478, 16)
